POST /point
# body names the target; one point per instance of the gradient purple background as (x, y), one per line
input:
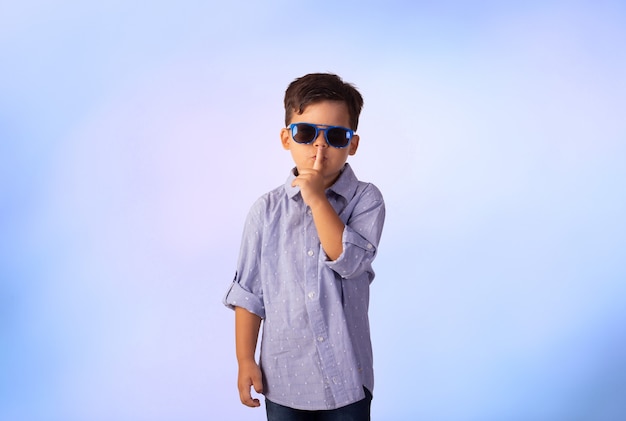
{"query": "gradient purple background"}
(134, 136)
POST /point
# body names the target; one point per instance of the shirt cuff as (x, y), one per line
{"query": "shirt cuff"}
(239, 297)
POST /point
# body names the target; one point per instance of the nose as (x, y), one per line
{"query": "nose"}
(320, 140)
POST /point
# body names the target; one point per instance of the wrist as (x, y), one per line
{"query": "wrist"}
(242, 361)
(318, 203)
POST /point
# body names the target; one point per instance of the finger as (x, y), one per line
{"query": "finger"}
(252, 403)
(319, 157)
(303, 176)
(246, 398)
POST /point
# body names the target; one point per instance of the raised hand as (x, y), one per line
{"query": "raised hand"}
(311, 181)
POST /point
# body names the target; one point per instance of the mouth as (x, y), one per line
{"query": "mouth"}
(321, 161)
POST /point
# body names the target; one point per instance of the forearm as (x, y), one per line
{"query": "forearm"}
(361, 237)
(246, 333)
(329, 228)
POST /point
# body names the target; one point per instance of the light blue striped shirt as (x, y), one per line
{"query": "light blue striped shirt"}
(316, 352)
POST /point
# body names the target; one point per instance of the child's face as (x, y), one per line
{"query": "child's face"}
(324, 113)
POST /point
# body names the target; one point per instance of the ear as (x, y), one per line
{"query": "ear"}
(354, 144)
(285, 138)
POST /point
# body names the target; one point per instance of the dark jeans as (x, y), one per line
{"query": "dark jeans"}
(358, 411)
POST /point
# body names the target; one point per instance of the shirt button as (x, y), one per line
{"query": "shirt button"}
(311, 295)
(320, 339)
(310, 253)
(308, 212)
(369, 246)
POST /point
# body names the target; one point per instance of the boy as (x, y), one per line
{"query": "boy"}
(305, 267)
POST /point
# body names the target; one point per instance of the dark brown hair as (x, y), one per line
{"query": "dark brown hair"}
(316, 87)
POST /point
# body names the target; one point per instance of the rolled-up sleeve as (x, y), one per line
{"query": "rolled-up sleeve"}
(246, 290)
(361, 236)
(237, 296)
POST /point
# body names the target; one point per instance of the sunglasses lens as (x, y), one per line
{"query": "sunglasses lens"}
(338, 137)
(303, 133)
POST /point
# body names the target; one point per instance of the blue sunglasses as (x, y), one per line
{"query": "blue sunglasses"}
(336, 136)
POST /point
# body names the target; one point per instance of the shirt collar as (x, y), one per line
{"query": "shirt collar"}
(344, 186)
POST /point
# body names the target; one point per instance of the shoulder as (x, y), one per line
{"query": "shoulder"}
(367, 200)
(269, 202)
(275, 195)
(369, 189)
(368, 192)
(352, 188)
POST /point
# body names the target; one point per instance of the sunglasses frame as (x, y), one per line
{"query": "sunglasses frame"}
(324, 128)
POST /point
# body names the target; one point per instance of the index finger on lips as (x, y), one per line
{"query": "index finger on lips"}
(317, 165)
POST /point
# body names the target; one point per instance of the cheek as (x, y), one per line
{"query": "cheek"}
(339, 157)
(297, 153)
